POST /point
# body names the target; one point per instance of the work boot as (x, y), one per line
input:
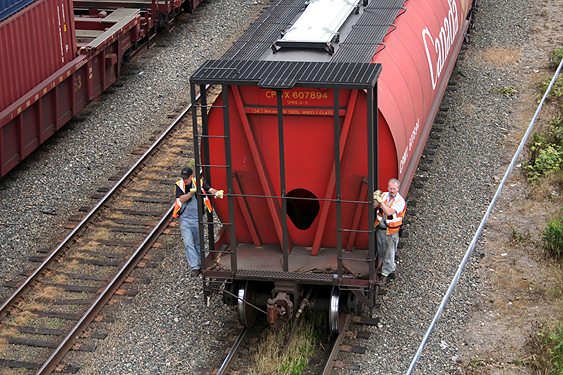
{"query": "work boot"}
(195, 272)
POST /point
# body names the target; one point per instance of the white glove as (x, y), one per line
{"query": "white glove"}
(219, 194)
(380, 198)
(192, 190)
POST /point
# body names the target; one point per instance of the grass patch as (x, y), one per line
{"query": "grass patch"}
(547, 350)
(555, 57)
(556, 92)
(519, 238)
(553, 238)
(476, 363)
(274, 357)
(507, 91)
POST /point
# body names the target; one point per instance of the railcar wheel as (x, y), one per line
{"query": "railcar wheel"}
(246, 312)
(333, 311)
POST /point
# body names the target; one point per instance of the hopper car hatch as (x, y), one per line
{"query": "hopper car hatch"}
(261, 133)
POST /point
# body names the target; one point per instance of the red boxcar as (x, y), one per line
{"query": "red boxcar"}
(35, 42)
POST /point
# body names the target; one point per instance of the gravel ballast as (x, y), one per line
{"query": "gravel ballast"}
(53, 183)
(166, 329)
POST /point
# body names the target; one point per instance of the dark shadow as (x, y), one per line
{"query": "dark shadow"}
(304, 209)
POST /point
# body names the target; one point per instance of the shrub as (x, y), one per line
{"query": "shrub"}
(556, 130)
(546, 152)
(547, 350)
(553, 238)
(555, 57)
(545, 158)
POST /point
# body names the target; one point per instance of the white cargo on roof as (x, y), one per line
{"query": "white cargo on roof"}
(320, 22)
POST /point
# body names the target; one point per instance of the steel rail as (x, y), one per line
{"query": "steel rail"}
(336, 345)
(70, 236)
(55, 357)
(228, 361)
(484, 220)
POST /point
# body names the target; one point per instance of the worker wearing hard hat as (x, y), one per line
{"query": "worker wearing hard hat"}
(391, 209)
(185, 208)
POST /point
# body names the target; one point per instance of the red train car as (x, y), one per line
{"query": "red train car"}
(321, 104)
(58, 55)
(155, 14)
(53, 63)
(31, 54)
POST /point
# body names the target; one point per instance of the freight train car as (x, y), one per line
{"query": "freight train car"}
(56, 58)
(155, 14)
(52, 64)
(322, 102)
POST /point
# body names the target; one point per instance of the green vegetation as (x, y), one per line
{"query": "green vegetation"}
(476, 363)
(553, 238)
(556, 91)
(275, 356)
(519, 238)
(546, 152)
(555, 58)
(507, 91)
(547, 350)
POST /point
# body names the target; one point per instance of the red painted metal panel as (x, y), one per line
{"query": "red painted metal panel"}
(309, 157)
(417, 61)
(35, 42)
(417, 64)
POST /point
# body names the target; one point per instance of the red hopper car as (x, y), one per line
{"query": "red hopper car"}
(321, 104)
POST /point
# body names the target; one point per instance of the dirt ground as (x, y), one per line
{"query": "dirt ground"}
(524, 288)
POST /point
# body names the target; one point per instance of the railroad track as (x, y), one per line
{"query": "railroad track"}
(48, 312)
(337, 360)
(348, 341)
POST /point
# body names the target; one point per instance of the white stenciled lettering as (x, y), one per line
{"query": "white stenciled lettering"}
(442, 44)
(409, 147)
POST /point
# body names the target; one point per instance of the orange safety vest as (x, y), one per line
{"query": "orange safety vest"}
(206, 200)
(393, 224)
(178, 204)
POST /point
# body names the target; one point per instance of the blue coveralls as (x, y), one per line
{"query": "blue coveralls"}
(189, 228)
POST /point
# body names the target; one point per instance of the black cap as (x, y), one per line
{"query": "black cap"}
(186, 172)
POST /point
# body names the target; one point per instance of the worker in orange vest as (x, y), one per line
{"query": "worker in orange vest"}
(390, 211)
(185, 208)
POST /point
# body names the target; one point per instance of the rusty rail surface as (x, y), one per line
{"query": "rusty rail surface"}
(331, 360)
(233, 352)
